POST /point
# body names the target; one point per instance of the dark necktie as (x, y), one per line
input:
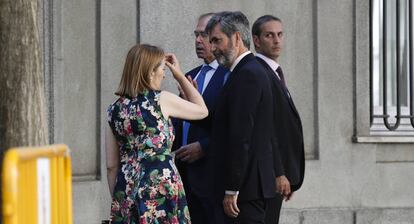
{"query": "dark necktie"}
(282, 79)
(280, 73)
(200, 83)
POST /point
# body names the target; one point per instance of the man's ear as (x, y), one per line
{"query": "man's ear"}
(256, 41)
(237, 40)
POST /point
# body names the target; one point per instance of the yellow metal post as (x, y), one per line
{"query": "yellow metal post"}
(37, 185)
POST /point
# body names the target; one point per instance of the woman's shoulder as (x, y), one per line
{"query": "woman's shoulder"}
(114, 104)
(121, 102)
(149, 93)
(165, 95)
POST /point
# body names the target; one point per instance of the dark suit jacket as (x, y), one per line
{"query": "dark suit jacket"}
(241, 139)
(288, 149)
(195, 174)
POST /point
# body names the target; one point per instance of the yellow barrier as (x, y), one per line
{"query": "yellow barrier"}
(37, 185)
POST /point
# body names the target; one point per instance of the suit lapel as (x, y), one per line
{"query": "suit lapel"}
(213, 87)
(277, 82)
(193, 73)
(242, 62)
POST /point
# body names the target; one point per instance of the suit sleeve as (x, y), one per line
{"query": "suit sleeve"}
(277, 161)
(244, 99)
(204, 142)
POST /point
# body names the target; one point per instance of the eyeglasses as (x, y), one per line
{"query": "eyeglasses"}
(200, 33)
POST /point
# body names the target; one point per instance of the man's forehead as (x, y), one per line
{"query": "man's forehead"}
(204, 19)
(272, 23)
(217, 30)
(202, 22)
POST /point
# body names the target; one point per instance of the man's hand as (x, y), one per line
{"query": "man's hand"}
(289, 196)
(230, 206)
(283, 187)
(189, 153)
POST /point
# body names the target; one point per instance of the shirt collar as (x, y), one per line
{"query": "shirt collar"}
(214, 64)
(238, 59)
(272, 63)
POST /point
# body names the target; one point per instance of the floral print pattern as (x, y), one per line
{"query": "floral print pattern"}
(148, 188)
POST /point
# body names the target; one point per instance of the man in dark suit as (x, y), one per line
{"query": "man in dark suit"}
(192, 139)
(288, 150)
(241, 139)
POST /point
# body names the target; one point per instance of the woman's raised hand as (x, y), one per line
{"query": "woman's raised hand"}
(172, 63)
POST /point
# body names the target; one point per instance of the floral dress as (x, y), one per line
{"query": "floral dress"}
(148, 187)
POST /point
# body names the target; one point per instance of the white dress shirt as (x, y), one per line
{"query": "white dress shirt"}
(238, 59)
(272, 63)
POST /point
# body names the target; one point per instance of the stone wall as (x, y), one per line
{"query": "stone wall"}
(327, 68)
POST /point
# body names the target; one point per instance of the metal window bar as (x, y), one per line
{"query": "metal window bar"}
(371, 62)
(410, 41)
(385, 114)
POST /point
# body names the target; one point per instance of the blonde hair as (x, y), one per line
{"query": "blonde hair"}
(141, 61)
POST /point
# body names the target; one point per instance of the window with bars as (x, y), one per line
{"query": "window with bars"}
(391, 67)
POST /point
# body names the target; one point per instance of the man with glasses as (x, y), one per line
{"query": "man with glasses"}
(192, 138)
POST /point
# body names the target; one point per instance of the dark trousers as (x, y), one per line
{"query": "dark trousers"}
(273, 210)
(201, 209)
(251, 212)
(204, 211)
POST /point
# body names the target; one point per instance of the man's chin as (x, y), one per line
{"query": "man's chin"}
(275, 56)
(223, 62)
(200, 55)
(220, 60)
(276, 53)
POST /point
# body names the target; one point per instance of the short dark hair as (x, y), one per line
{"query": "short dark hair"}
(257, 25)
(231, 22)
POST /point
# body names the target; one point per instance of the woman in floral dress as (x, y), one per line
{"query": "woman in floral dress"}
(143, 180)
